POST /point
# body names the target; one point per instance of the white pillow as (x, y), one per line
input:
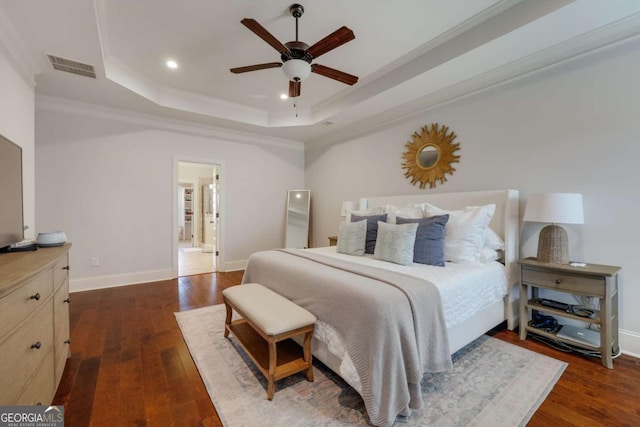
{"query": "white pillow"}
(409, 211)
(488, 255)
(364, 212)
(466, 231)
(493, 241)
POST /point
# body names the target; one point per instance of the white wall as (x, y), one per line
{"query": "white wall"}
(109, 185)
(16, 124)
(573, 128)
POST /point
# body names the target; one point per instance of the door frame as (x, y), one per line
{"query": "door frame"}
(220, 241)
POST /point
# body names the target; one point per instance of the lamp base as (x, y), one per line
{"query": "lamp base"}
(553, 245)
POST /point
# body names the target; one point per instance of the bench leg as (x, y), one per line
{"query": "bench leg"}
(227, 321)
(273, 358)
(307, 354)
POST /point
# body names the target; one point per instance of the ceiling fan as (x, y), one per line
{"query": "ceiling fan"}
(297, 56)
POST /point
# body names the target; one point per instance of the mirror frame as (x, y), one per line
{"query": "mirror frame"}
(443, 142)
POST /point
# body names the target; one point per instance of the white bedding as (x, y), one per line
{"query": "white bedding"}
(464, 288)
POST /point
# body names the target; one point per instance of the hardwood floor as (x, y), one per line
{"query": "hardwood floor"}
(131, 367)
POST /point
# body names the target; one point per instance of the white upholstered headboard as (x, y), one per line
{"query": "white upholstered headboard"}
(505, 223)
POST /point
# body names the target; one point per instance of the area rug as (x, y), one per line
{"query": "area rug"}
(492, 383)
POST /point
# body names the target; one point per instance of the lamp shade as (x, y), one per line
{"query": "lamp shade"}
(296, 69)
(556, 208)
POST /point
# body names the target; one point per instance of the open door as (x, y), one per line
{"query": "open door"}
(202, 211)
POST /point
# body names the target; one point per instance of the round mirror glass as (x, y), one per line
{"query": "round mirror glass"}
(428, 156)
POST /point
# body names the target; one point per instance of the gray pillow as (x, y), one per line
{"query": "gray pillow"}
(351, 238)
(429, 247)
(395, 243)
(372, 229)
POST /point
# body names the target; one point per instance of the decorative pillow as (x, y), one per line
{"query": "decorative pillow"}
(395, 243)
(493, 241)
(429, 246)
(406, 212)
(351, 238)
(364, 212)
(372, 229)
(465, 232)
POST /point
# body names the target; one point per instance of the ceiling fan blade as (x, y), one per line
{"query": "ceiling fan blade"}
(265, 35)
(334, 74)
(256, 67)
(294, 88)
(337, 38)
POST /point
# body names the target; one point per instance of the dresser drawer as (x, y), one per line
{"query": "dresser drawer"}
(584, 285)
(18, 360)
(16, 306)
(40, 390)
(60, 271)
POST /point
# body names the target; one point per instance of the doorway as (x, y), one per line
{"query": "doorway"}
(198, 212)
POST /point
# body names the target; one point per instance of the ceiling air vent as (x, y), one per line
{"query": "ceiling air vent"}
(73, 67)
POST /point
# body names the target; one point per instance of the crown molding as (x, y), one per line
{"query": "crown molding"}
(48, 103)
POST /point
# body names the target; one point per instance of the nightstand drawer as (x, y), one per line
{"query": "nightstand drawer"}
(584, 285)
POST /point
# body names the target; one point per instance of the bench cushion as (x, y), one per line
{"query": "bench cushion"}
(269, 311)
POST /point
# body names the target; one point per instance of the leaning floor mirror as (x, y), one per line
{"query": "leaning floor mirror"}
(297, 227)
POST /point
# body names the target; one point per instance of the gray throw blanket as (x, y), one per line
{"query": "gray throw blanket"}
(392, 324)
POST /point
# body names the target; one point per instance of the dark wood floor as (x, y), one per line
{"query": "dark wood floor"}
(130, 366)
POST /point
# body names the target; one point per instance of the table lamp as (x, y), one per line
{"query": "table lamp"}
(554, 208)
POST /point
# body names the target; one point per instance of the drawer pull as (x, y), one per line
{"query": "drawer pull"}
(66, 268)
(557, 281)
(67, 341)
(37, 345)
(36, 296)
(68, 300)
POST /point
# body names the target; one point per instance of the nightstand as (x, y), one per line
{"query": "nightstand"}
(333, 240)
(593, 280)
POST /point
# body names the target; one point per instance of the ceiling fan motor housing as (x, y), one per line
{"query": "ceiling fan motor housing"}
(296, 10)
(298, 51)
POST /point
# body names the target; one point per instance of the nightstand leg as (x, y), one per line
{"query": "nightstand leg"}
(524, 313)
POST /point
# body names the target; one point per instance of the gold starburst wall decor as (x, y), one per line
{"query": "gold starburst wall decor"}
(429, 155)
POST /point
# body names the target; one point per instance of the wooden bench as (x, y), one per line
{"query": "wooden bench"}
(268, 322)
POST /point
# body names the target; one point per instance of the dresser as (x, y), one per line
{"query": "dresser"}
(34, 324)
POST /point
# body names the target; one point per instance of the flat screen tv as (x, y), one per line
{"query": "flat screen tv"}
(11, 215)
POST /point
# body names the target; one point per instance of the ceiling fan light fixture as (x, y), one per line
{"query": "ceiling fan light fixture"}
(296, 69)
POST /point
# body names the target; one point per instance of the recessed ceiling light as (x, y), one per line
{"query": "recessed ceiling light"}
(172, 64)
(284, 96)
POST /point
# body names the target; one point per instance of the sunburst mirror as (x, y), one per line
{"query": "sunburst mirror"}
(429, 155)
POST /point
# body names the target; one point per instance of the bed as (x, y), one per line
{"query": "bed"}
(381, 326)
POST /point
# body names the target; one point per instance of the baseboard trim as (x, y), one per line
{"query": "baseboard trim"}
(630, 342)
(233, 265)
(102, 282)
